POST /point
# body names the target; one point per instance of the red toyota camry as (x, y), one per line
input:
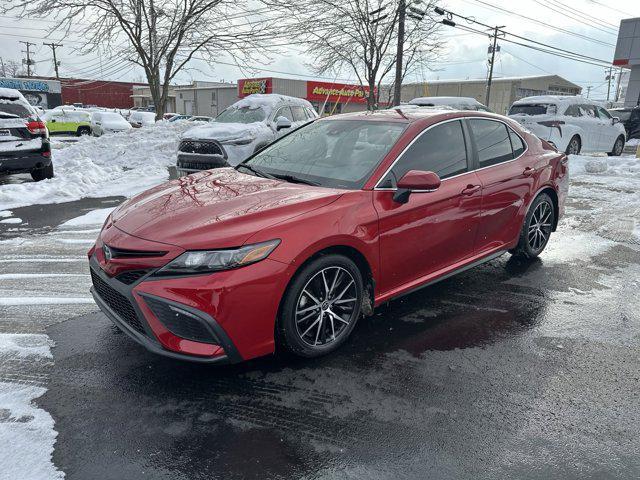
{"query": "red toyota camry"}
(292, 246)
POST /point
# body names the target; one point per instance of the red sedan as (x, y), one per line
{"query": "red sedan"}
(292, 246)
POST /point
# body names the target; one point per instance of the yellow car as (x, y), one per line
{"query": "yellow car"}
(69, 122)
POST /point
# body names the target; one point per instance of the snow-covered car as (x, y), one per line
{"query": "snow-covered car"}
(139, 119)
(242, 129)
(66, 121)
(572, 124)
(108, 122)
(24, 139)
(458, 103)
(177, 118)
(200, 118)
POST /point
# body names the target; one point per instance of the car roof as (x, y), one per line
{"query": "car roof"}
(556, 99)
(424, 114)
(444, 101)
(271, 100)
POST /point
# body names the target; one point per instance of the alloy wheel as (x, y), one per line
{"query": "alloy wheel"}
(540, 226)
(617, 149)
(326, 306)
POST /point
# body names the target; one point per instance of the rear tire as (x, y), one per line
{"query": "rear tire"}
(42, 173)
(83, 131)
(618, 147)
(320, 307)
(574, 146)
(537, 228)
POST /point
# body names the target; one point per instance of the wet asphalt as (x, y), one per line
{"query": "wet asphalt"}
(510, 370)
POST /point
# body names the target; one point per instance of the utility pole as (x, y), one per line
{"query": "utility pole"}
(491, 62)
(55, 60)
(397, 88)
(28, 52)
(4, 73)
(608, 78)
(588, 90)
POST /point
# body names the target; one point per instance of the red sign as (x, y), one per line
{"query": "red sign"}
(249, 86)
(336, 92)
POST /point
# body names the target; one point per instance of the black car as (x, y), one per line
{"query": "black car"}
(630, 118)
(24, 139)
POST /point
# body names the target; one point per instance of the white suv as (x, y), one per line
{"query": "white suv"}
(242, 129)
(571, 124)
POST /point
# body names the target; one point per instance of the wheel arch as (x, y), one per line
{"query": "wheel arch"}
(549, 190)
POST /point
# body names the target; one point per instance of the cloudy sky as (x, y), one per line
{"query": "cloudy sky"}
(588, 27)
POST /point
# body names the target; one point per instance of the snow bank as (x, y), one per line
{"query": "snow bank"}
(123, 164)
(625, 166)
(94, 217)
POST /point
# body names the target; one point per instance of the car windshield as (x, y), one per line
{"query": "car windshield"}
(241, 115)
(532, 109)
(623, 115)
(14, 110)
(332, 153)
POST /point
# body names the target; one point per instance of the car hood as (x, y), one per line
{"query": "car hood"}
(227, 131)
(216, 208)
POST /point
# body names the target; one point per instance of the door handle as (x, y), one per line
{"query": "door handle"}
(528, 171)
(471, 189)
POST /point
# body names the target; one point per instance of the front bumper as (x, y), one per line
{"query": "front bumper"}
(24, 161)
(192, 162)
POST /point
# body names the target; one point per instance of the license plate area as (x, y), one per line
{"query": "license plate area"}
(5, 133)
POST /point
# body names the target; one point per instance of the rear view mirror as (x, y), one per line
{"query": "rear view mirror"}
(282, 122)
(415, 181)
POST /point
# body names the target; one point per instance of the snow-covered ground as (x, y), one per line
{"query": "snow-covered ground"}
(114, 164)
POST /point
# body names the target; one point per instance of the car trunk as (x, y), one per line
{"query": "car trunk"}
(535, 117)
(14, 135)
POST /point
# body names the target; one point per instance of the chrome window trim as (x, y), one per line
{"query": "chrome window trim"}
(526, 149)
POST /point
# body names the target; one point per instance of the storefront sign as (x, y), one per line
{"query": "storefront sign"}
(336, 92)
(249, 86)
(27, 85)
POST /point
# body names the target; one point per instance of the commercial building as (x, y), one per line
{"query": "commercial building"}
(504, 91)
(205, 98)
(627, 55)
(38, 92)
(103, 93)
(334, 97)
(141, 96)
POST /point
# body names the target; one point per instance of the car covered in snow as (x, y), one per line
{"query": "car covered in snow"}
(241, 130)
(66, 121)
(24, 139)
(572, 124)
(140, 118)
(457, 103)
(630, 118)
(108, 122)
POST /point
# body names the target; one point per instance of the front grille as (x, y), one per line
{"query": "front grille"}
(122, 253)
(200, 148)
(117, 302)
(180, 322)
(131, 276)
(201, 165)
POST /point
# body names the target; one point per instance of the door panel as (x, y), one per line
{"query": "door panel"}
(431, 231)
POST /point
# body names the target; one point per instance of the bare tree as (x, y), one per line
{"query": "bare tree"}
(359, 37)
(161, 36)
(11, 68)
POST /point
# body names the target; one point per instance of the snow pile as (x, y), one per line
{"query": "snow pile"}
(94, 217)
(625, 166)
(121, 164)
(595, 166)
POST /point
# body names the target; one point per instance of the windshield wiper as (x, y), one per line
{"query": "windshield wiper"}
(256, 171)
(294, 179)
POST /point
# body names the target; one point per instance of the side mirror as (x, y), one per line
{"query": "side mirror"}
(615, 120)
(415, 181)
(282, 122)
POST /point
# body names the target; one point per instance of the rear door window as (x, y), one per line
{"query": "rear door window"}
(573, 111)
(441, 149)
(298, 114)
(492, 141)
(285, 112)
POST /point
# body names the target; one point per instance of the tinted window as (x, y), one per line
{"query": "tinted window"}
(12, 110)
(588, 111)
(516, 143)
(298, 114)
(441, 149)
(573, 111)
(532, 109)
(603, 113)
(492, 141)
(284, 112)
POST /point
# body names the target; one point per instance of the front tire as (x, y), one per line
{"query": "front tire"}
(618, 147)
(574, 146)
(320, 307)
(537, 228)
(42, 173)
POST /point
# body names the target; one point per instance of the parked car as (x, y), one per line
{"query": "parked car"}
(179, 117)
(630, 118)
(108, 122)
(24, 139)
(292, 245)
(242, 129)
(141, 118)
(572, 124)
(168, 116)
(200, 119)
(68, 122)
(458, 103)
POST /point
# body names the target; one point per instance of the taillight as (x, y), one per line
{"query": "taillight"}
(37, 127)
(46, 153)
(552, 123)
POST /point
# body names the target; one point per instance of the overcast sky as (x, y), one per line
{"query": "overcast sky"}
(464, 55)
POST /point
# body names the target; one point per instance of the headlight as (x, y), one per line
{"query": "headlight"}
(239, 141)
(203, 261)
